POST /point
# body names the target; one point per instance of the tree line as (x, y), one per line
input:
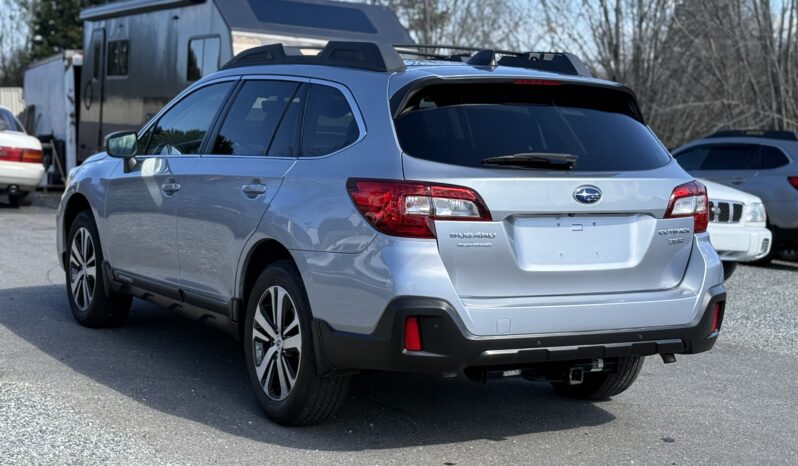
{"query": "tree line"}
(697, 66)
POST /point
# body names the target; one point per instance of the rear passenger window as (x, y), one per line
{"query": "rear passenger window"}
(182, 128)
(253, 118)
(732, 157)
(773, 158)
(692, 159)
(329, 122)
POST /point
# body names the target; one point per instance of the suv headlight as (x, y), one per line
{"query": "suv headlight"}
(756, 213)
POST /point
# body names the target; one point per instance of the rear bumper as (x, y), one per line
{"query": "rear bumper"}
(738, 243)
(26, 176)
(448, 347)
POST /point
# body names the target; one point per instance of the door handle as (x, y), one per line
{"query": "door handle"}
(738, 181)
(253, 190)
(170, 188)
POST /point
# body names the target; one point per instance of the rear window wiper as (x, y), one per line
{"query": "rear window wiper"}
(541, 160)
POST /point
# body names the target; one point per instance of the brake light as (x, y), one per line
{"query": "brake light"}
(15, 154)
(793, 181)
(408, 208)
(690, 200)
(537, 82)
(717, 317)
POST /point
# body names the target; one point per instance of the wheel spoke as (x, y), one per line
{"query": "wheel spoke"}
(294, 324)
(271, 368)
(75, 283)
(281, 375)
(289, 373)
(294, 342)
(83, 242)
(265, 325)
(91, 271)
(278, 301)
(76, 255)
(86, 295)
(264, 363)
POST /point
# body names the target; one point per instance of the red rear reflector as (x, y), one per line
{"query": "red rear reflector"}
(537, 82)
(412, 334)
(793, 181)
(408, 208)
(690, 200)
(717, 317)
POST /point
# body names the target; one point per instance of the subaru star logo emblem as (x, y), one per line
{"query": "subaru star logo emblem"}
(587, 194)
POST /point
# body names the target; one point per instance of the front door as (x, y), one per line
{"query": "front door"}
(141, 208)
(229, 189)
(92, 95)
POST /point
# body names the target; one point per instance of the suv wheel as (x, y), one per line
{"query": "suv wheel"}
(728, 269)
(20, 199)
(278, 346)
(602, 385)
(91, 304)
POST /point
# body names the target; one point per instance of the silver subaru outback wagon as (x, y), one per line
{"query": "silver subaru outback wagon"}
(488, 213)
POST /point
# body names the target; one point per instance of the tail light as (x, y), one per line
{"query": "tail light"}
(408, 208)
(690, 200)
(717, 318)
(15, 154)
(793, 180)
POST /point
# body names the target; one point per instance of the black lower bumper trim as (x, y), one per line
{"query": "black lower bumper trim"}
(448, 347)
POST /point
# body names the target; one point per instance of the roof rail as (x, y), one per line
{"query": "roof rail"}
(387, 58)
(555, 62)
(756, 133)
(361, 55)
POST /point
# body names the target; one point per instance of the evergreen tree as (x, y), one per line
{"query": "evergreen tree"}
(56, 26)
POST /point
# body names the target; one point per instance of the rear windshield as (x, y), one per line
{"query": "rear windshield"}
(463, 124)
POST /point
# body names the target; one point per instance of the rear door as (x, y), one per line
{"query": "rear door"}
(546, 237)
(734, 165)
(230, 187)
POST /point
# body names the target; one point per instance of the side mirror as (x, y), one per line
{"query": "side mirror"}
(121, 144)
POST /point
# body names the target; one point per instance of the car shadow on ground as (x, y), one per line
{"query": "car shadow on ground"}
(186, 369)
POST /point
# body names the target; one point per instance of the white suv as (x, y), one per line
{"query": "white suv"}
(737, 226)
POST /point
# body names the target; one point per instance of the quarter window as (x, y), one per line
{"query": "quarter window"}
(203, 57)
(329, 122)
(181, 129)
(773, 158)
(258, 109)
(118, 57)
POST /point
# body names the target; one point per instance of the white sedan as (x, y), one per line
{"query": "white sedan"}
(737, 226)
(21, 168)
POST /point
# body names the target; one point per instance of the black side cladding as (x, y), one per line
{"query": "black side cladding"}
(360, 55)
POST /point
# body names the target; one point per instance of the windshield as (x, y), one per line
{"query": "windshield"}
(463, 124)
(9, 122)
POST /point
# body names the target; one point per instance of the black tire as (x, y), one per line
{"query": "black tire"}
(603, 385)
(312, 398)
(104, 309)
(728, 269)
(20, 199)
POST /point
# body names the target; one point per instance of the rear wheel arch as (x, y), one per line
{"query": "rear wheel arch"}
(257, 259)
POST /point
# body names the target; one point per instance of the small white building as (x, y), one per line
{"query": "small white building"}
(11, 98)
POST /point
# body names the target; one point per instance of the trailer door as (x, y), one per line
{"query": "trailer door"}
(91, 123)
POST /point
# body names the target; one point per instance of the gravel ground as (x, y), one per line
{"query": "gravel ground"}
(762, 307)
(163, 390)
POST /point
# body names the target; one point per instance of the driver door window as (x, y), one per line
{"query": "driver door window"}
(181, 129)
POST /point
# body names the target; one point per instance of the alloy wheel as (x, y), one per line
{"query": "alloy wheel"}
(276, 342)
(83, 269)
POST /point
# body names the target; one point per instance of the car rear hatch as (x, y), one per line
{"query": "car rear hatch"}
(577, 208)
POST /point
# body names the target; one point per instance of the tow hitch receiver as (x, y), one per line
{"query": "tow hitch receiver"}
(576, 375)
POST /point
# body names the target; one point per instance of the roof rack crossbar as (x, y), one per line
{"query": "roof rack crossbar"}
(387, 58)
(361, 55)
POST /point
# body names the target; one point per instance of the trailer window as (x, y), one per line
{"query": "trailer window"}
(338, 17)
(118, 57)
(203, 57)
